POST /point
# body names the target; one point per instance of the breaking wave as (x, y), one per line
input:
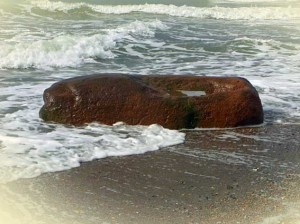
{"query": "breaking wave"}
(243, 13)
(72, 50)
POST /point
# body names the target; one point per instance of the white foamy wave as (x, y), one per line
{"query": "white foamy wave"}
(30, 147)
(61, 51)
(71, 50)
(244, 13)
(262, 45)
(24, 156)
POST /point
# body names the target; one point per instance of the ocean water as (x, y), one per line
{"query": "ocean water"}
(43, 41)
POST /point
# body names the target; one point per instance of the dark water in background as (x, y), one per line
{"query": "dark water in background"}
(45, 41)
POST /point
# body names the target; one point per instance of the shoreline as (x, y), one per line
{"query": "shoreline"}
(239, 175)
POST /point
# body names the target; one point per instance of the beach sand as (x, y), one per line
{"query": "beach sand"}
(245, 175)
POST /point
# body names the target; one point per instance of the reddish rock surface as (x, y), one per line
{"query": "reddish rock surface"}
(145, 100)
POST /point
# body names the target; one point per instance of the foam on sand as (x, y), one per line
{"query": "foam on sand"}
(30, 147)
(24, 156)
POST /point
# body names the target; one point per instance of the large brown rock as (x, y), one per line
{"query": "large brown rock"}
(164, 100)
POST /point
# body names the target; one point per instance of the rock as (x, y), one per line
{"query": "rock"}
(172, 101)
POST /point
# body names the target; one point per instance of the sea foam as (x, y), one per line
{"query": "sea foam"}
(72, 50)
(30, 147)
(243, 13)
(24, 156)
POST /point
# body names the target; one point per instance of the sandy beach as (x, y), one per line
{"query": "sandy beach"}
(247, 175)
(52, 172)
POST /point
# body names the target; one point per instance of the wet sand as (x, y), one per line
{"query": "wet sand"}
(217, 176)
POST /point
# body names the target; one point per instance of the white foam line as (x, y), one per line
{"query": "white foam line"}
(200, 175)
(24, 156)
(255, 137)
(232, 158)
(246, 13)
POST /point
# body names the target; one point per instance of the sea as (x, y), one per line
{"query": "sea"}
(43, 41)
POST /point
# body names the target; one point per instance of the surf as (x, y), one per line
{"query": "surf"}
(241, 13)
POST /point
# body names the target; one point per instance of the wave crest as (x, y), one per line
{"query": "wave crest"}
(243, 13)
(72, 50)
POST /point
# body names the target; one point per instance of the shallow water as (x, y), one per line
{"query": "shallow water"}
(45, 41)
(246, 176)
